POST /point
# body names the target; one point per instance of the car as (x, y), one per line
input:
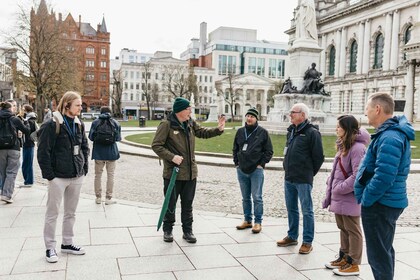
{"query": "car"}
(90, 116)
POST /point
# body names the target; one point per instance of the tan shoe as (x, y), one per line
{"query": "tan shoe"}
(244, 225)
(287, 241)
(305, 248)
(256, 228)
(347, 269)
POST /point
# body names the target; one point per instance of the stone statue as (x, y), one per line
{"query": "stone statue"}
(306, 21)
(312, 83)
(288, 87)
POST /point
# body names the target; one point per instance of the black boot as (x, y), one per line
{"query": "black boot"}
(168, 236)
(189, 237)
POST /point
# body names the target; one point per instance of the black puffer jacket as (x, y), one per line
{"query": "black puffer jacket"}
(55, 152)
(258, 152)
(31, 118)
(304, 155)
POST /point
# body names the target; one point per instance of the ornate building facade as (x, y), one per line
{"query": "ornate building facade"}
(92, 47)
(362, 52)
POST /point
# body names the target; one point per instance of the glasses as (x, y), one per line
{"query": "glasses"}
(295, 112)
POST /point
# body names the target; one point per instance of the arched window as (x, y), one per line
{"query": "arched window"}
(353, 57)
(379, 48)
(331, 68)
(407, 37)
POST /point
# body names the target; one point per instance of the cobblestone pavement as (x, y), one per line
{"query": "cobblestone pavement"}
(140, 179)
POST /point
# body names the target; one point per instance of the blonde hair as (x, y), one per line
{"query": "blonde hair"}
(67, 100)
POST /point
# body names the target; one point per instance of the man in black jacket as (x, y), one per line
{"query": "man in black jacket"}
(252, 150)
(303, 157)
(63, 153)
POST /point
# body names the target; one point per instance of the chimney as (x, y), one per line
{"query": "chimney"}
(60, 17)
(203, 37)
(80, 21)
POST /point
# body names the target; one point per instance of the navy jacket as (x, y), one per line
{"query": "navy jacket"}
(383, 173)
(105, 152)
(17, 124)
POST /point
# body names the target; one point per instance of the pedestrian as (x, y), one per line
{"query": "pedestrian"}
(303, 157)
(380, 184)
(252, 150)
(63, 153)
(351, 146)
(10, 125)
(174, 143)
(48, 114)
(28, 147)
(105, 131)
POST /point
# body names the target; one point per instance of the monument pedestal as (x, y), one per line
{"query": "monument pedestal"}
(213, 116)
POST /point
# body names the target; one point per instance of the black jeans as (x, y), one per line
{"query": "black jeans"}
(185, 189)
(379, 222)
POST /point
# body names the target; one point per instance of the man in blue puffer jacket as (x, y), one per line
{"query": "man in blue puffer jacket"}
(380, 184)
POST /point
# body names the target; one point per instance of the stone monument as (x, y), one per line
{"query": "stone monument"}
(213, 114)
(304, 84)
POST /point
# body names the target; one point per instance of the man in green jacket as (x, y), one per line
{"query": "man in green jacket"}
(174, 142)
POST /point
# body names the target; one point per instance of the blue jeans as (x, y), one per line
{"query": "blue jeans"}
(27, 163)
(302, 192)
(379, 222)
(252, 185)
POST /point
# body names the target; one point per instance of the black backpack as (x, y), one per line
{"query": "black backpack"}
(105, 133)
(7, 134)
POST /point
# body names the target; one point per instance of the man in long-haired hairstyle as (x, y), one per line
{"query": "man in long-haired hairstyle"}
(63, 153)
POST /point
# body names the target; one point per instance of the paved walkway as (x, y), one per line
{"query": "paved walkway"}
(121, 242)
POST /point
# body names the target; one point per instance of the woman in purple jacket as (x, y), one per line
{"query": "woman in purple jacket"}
(351, 146)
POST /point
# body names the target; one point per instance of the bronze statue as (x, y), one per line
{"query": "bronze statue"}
(312, 83)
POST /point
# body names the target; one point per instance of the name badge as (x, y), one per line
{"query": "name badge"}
(285, 151)
(244, 147)
(76, 150)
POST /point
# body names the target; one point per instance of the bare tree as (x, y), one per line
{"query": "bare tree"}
(117, 82)
(49, 59)
(275, 89)
(231, 93)
(179, 80)
(148, 68)
(154, 95)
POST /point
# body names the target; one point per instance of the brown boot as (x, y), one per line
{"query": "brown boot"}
(256, 228)
(287, 241)
(244, 225)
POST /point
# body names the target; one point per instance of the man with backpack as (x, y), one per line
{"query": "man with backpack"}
(105, 132)
(9, 148)
(28, 147)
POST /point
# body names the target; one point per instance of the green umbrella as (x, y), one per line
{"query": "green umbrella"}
(168, 196)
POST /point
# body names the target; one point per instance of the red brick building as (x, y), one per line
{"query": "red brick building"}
(93, 47)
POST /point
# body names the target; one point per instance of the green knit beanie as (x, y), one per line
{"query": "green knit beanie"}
(253, 112)
(180, 104)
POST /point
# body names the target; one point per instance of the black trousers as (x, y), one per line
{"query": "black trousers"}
(185, 189)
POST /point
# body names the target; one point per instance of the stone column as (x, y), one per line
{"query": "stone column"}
(337, 52)
(366, 48)
(264, 104)
(323, 60)
(394, 41)
(343, 46)
(360, 44)
(387, 43)
(409, 90)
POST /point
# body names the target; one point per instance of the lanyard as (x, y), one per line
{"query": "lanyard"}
(72, 131)
(246, 134)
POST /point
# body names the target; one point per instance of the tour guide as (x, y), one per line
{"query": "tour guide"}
(174, 142)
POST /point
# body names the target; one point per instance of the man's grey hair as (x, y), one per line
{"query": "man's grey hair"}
(303, 108)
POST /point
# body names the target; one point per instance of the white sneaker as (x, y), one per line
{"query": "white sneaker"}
(110, 201)
(72, 249)
(25, 186)
(98, 200)
(7, 199)
(51, 256)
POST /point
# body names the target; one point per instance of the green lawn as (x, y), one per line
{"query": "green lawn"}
(223, 143)
(155, 123)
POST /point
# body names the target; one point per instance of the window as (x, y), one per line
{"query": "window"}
(331, 68)
(137, 86)
(227, 65)
(272, 68)
(90, 50)
(201, 78)
(90, 63)
(407, 37)
(103, 64)
(103, 51)
(156, 76)
(125, 85)
(353, 57)
(131, 74)
(137, 75)
(90, 76)
(131, 86)
(211, 79)
(103, 77)
(226, 109)
(379, 48)
(252, 65)
(205, 79)
(261, 66)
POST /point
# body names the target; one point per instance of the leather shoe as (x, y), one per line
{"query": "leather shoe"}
(256, 228)
(244, 225)
(189, 237)
(168, 236)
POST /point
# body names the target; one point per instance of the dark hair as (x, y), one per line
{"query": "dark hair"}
(105, 109)
(351, 128)
(5, 105)
(28, 108)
